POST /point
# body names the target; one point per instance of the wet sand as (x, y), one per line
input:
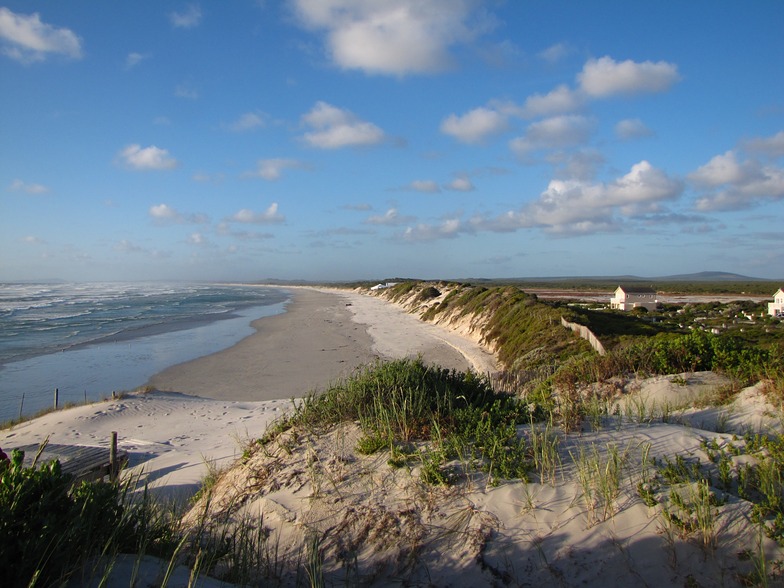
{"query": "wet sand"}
(317, 341)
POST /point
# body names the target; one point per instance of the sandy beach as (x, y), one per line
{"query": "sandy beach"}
(546, 531)
(200, 412)
(323, 335)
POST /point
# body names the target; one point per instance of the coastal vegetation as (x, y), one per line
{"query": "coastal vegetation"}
(388, 472)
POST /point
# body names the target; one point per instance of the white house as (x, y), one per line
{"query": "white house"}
(628, 297)
(776, 308)
(383, 286)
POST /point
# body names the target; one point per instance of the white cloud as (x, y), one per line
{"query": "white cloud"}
(606, 77)
(272, 169)
(554, 53)
(561, 100)
(475, 126)
(32, 189)
(247, 216)
(334, 128)
(725, 169)
(728, 183)
(769, 146)
(448, 229)
(395, 37)
(632, 128)
(585, 207)
(26, 39)
(134, 59)
(198, 239)
(163, 214)
(33, 240)
(427, 186)
(460, 184)
(390, 218)
(126, 246)
(552, 133)
(204, 177)
(644, 183)
(186, 91)
(141, 158)
(248, 122)
(188, 18)
(573, 207)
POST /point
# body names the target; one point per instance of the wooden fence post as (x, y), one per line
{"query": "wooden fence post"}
(113, 467)
(56, 397)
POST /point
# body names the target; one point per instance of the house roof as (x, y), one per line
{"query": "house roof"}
(637, 289)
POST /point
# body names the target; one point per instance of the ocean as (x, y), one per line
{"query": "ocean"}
(87, 340)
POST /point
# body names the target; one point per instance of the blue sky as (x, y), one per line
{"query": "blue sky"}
(363, 139)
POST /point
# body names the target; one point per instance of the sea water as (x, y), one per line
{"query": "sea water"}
(89, 340)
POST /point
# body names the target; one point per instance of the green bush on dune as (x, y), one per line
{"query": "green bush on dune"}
(50, 528)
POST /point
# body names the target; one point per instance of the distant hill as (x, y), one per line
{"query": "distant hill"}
(710, 276)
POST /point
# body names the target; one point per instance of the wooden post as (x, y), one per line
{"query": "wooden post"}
(21, 406)
(56, 397)
(113, 469)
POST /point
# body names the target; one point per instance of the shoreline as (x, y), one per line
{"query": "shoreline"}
(322, 336)
(214, 404)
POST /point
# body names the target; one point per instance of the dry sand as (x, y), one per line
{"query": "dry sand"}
(541, 533)
(323, 336)
(203, 410)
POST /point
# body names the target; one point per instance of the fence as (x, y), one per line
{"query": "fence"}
(586, 334)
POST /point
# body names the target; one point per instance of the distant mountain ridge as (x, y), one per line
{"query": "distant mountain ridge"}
(707, 276)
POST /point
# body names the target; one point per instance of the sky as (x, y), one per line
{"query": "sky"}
(369, 139)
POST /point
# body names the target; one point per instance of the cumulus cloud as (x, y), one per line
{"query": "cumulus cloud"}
(561, 100)
(726, 169)
(269, 216)
(141, 158)
(187, 19)
(134, 59)
(272, 169)
(198, 239)
(768, 146)
(163, 214)
(475, 126)
(32, 189)
(632, 128)
(186, 91)
(248, 122)
(447, 229)
(427, 186)
(390, 218)
(461, 183)
(396, 37)
(126, 246)
(580, 164)
(554, 53)
(334, 128)
(606, 77)
(26, 39)
(553, 133)
(573, 207)
(728, 182)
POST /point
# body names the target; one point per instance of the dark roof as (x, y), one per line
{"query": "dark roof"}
(637, 289)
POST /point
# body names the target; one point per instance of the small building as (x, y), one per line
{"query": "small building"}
(628, 297)
(383, 286)
(776, 308)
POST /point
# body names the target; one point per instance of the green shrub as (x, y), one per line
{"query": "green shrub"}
(405, 401)
(48, 529)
